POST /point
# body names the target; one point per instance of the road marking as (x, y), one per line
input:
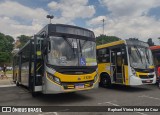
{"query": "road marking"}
(150, 97)
(7, 85)
(55, 113)
(141, 113)
(112, 103)
(120, 106)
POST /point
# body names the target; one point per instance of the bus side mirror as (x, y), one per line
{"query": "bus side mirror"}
(129, 50)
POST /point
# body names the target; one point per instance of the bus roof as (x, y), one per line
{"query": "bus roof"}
(155, 47)
(50, 29)
(111, 44)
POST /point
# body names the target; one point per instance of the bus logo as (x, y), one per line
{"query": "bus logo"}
(6, 109)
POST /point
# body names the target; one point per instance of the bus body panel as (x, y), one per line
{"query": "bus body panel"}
(68, 82)
(126, 73)
(104, 67)
(51, 87)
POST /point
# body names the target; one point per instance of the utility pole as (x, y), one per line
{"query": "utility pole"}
(103, 29)
(103, 26)
(50, 17)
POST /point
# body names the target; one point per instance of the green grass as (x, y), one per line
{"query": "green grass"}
(7, 72)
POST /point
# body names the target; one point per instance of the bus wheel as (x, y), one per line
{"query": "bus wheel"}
(34, 94)
(17, 83)
(105, 81)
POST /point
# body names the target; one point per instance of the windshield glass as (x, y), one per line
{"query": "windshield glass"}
(71, 52)
(87, 53)
(140, 57)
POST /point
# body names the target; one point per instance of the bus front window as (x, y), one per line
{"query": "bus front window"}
(72, 52)
(140, 57)
(88, 52)
(62, 53)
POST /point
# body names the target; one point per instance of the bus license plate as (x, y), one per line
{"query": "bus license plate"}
(79, 86)
(148, 81)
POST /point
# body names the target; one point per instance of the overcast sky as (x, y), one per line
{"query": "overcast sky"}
(123, 18)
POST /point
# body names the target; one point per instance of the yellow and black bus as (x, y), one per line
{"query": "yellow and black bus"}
(58, 59)
(126, 62)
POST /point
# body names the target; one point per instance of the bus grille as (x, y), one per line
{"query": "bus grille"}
(71, 85)
(146, 76)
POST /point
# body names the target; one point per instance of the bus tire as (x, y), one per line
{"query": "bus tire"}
(105, 80)
(17, 83)
(34, 94)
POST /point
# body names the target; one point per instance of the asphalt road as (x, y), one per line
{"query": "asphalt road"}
(147, 95)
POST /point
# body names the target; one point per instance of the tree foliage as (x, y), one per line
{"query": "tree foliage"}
(6, 47)
(102, 39)
(23, 39)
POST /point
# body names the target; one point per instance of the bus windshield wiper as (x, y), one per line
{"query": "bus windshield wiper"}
(67, 41)
(81, 46)
(147, 56)
(139, 54)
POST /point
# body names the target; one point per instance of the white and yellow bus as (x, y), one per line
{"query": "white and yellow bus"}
(126, 62)
(58, 59)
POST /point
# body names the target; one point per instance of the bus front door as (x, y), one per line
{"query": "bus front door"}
(117, 65)
(36, 66)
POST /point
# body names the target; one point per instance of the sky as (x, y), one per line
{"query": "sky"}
(123, 18)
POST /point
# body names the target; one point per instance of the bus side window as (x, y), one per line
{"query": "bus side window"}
(103, 55)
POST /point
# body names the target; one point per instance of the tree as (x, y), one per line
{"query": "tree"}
(150, 42)
(6, 47)
(102, 39)
(23, 39)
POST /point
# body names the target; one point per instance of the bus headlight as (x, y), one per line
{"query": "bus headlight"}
(57, 80)
(133, 71)
(95, 78)
(53, 78)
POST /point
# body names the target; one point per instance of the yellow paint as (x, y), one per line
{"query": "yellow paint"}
(126, 75)
(151, 67)
(75, 78)
(71, 90)
(104, 67)
(39, 53)
(111, 44)
(70, 87)
(87, 84)
(141, 73)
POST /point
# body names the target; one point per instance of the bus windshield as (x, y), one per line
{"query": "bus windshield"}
(72, 52)
(140, 57)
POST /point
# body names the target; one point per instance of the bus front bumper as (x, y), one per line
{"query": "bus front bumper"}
(134, 80)
(52, 88)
